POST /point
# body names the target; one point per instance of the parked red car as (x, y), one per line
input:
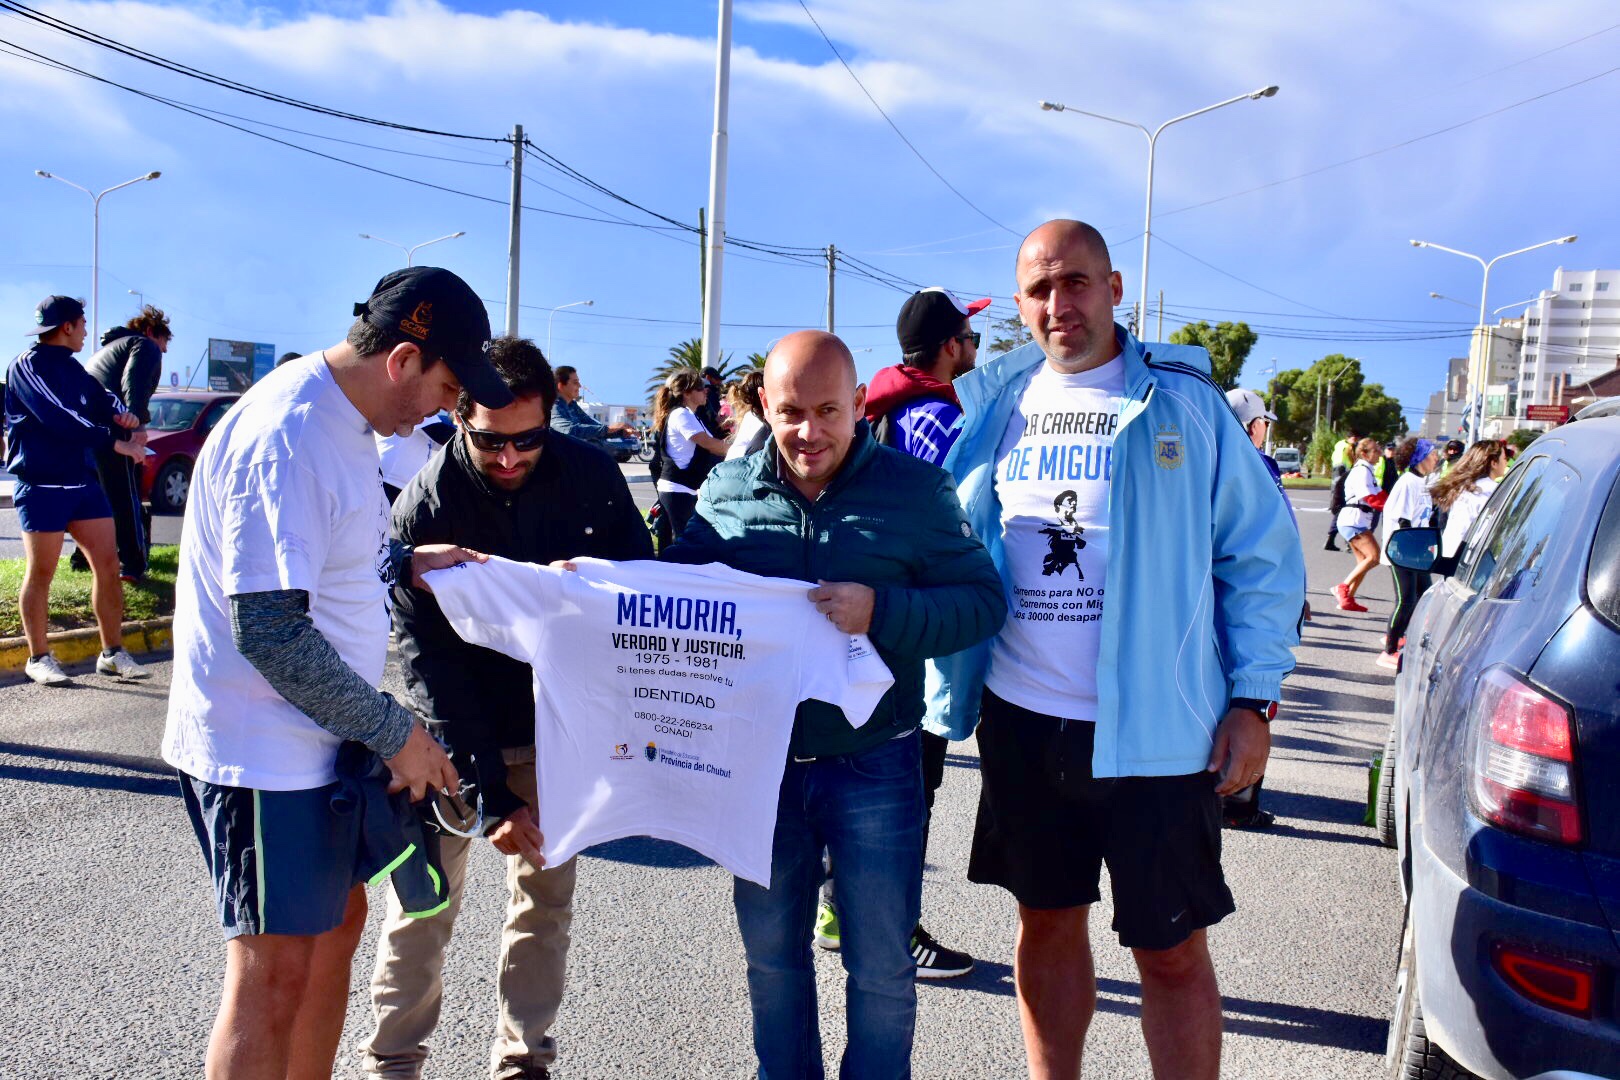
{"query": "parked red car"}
(181, 421)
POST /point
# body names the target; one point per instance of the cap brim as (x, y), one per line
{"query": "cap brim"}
(41, 331)
(481, 380)
(978, 305)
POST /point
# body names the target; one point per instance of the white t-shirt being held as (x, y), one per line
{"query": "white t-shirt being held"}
(286, 494)
(664, 695)
(1053, 471)
(679, 428)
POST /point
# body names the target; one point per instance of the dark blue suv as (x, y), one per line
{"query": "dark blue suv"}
(1504, 798)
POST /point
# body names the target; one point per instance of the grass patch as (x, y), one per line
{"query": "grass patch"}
(1314, 483)
(70, 594)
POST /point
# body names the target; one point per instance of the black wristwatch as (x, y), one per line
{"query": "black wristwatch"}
(1266, 709)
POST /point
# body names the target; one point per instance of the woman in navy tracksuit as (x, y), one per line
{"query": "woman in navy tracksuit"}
(56, 416)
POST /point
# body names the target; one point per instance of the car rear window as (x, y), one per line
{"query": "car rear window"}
(1603, 569)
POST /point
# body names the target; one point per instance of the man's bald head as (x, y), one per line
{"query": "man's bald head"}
(812, 401)
(1063, 234)
(805, 349)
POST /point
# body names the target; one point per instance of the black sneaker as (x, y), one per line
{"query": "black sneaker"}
(1260, 819)
(935, 961)
(1330, 546)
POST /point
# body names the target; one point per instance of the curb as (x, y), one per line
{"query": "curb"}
(76, 646)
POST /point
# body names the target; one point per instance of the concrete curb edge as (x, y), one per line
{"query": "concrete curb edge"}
(76, 646)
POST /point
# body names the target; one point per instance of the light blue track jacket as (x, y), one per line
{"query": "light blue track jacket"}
(1205, 570)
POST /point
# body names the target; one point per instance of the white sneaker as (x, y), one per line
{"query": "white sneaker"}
(46, 671)
(120, 664)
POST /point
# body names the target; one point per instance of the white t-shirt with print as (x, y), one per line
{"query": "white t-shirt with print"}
(1054, 468)
(679, 428)
(286, 494)
(664, 695)
(1360, 483)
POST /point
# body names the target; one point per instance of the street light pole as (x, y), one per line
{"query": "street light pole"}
(553, 316)
(95, 240)
(410, 252)
(1153, 142)
(1476, 389)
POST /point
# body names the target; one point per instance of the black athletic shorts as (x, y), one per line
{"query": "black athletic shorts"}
(1046, 828)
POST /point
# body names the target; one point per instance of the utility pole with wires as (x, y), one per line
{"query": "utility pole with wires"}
(832, 273)
(714, 245)
(1161, 314)
(513, 243)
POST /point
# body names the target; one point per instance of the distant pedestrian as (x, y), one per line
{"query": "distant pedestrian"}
(687, 449)
(280, 641)
(712, 411)
(1463, 492)
(1344, 454)
(750, 431)
(56, 417)
(1409, 506)
(1362, 498)
(130, 366)
(568, 416)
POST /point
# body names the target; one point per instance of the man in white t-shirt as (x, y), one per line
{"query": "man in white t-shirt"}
(1154, 580)
(280, 637)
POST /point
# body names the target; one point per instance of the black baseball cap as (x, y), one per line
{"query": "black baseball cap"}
(931, 317)
(436, 309)
(55, 311)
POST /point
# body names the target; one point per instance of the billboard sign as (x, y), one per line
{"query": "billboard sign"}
(1557, 414)
(233, 366)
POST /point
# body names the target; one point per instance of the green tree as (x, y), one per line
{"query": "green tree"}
(1227, 343)
(1523, 437)
(1008, 334)
(688, 355)
(757, 360)
(1297, 394)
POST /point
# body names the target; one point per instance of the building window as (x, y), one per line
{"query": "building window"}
(1575, 286)
(1602, 286)
(1535, 322)
(1586, 322)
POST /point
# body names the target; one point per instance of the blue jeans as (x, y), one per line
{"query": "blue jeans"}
(867, 810)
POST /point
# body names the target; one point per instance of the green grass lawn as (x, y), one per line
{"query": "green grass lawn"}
(1323, 483)
(70, 594)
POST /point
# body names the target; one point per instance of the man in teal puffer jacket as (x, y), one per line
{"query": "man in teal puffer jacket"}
(884, 537)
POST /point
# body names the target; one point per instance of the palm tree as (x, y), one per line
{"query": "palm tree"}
(757, 360)
(688, 356)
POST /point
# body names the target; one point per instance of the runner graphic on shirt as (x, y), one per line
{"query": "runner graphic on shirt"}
(1064, 539)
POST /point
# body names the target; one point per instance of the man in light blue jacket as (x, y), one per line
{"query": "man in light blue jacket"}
(1154, 583)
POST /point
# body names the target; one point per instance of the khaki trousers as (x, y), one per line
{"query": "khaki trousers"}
(407, 989)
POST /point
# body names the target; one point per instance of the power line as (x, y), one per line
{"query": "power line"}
(1392, 146)
(909, 145)
(62, 26)
(1539, 55)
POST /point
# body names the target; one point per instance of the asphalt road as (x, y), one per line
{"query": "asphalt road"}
(112, 959)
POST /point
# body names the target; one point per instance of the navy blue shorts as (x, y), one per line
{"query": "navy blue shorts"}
(53, 509)
(283, 862)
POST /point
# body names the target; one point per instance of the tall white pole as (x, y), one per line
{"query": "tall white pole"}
(513, 244)
(95, 239)
(717, 191)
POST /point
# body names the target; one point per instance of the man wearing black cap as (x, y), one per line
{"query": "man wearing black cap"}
(911, 405)
(56, 416)
(280, 638)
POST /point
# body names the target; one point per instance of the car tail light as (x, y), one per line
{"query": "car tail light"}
(1524, 760)
(1557, 983)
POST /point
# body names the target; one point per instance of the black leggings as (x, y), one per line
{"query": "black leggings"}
(1409, 585)
(678, 507)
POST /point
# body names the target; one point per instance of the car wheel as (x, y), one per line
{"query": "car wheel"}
(170, 488)
(1410, 1055)
(1384, 798)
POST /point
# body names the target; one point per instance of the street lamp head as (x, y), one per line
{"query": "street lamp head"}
(1269, 91)
(365, 236)
(43, 173)
(1436, 296)
(453, 235)
(1048, 106)
(1568, 240)
(590, 303)
(153, 175)
(1417, 243)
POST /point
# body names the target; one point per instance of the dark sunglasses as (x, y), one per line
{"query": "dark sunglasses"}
(970, 336)
(492, 442)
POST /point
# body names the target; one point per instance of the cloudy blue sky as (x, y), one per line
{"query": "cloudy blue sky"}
(1483, 126)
